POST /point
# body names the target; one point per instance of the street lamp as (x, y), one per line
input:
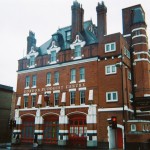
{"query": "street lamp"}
(120, 65)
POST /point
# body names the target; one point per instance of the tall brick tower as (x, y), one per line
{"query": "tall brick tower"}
(134, 30)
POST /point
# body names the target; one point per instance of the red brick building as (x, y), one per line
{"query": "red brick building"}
(69, 88)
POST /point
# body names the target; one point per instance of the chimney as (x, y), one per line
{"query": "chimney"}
(77, 18)
(101, 20)
(31, 41)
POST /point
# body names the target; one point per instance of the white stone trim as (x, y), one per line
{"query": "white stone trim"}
(59, 65)
(33, 93)
(141, 35)
(19, 101)
(63, 131)
(146, 95)
(70, 90)
(135, 121)
(39, 100)
(91, 95)
(38, 131)
(126, 35)
(83, 88)
(91, 131)
(142, 52)
(17, 131)
(56, 91)
(63, 98)
(27, 94)
(142, 59)
(141, 28)
(139, 44)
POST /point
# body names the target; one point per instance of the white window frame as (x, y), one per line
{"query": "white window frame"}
(81, 96)
(33, 102)
(77, 51)
(48, 79)
(27, 84)
(82, 74)
(111, 69)
(26, 98)
(73, 76)
(111, 94)
(110, 44)
(72, 97)
(55, 99)
(32, 60)
(56, 78)
(133, 127)
(34, 80)
(53, 58)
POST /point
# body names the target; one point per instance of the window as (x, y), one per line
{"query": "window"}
(32, 60)
(27, 81)
(111, 69)
(77, 51)
(56, 77)
(73, 75)
(129, 75)
(82, 97)
(34, 80)
(53, 56)
(138, 56)
(56, 99)
(82, 74)
(137, 32)
(110, 47)
(33, 100)
(48, 78)
(126, 52)
(25, 101)
(68, 35)
(72, 97)
(111, 96)
(133, 127)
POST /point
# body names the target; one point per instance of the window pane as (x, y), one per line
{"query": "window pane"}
(107, 47)
(113, 68)
(27, 81)
(53, 56)
(34, 80)
(56, 78)
(77, 51)
(82, 97)
(72, 97)
(108, 69)
(109, 96)
(114, 96)
(112, 46)
(82, 73)
(73, 74)
(48, 78)
(32, 60)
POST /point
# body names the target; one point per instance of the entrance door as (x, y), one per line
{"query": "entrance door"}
(77, 131)
(27, 134)
(51, 129)
(119, 138)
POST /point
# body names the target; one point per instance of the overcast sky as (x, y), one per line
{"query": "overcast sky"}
(44, 17)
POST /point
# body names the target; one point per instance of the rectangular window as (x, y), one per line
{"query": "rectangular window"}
(48, 78)
(25, 101)
(72, 97)
(34, 80)
(27, 81)
(73, 75)
(111, 69)
(53, 56)
(110, 47)
(56, 99)
(32, 61)
(129, 75)
(111, 96)
(82, 74)
(68, 35)
(133, 127)
(77, 51)
(33, 100)
(126, 52)
(56, 77)
(82, 97)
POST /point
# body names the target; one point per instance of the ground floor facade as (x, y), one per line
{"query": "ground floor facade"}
(74, 126)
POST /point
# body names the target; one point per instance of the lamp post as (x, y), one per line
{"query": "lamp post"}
(120, 65)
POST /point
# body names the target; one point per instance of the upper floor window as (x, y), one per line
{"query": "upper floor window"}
(72, 97)
(77, 51)
(26, 101)
(33, 100)
(48, 78)
(126, 52)
(137, 32)
(133, 127)
(82, 74)
(110, 47)
(129, 75)
(53, 56)
(111, 69)
(56, 99)
(111, 96)
(34, 80)
(68, 35)
(73, 75)
(82, 97)
(27, 81)
(32, 60)
(56, 78)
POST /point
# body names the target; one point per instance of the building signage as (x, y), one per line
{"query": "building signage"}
(53, 88)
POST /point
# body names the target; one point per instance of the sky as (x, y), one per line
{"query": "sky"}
(44, 17)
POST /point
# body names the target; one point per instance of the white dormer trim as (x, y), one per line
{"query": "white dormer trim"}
(53, 48)
(77, 42)
(32, 53)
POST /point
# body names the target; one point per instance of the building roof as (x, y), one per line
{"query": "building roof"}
(89, 34)
(4, 87)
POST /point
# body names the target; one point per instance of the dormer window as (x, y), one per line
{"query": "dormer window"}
(53, 56)
(76, 46)
(77, 51)
(32, 60)
(52, 51)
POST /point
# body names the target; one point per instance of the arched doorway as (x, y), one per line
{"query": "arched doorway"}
(50, 129)
(77, 131)
(27, 127)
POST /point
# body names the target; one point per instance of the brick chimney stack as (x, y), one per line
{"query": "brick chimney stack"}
(77, 18)
(101, 20)
(31, 41)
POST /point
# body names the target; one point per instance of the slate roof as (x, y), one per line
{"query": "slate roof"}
(90, 37)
